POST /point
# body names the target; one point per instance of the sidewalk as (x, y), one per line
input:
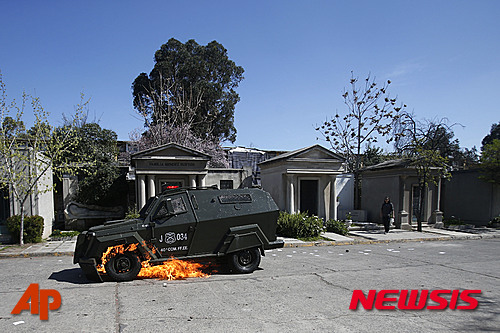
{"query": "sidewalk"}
(67, 247)
(396, 235)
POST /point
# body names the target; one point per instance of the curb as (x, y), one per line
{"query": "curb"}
(293, 245)
(34, 254)
(364, 242)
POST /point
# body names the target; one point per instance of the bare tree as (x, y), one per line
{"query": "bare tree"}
(422, 142)
(170, 113)
(159, 134)
(170, 103)
(370, 112)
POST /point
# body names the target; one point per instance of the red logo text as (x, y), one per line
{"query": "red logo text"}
(39, 301)
(414, 299)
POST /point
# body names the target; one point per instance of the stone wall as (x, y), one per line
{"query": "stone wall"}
(469, 198)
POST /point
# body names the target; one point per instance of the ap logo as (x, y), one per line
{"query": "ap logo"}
(39, 301)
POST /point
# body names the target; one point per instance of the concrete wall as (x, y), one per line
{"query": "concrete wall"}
(240, 177)
(45, 204)
(344, 185)
(469, 198)
(373, 192)
(396, 184)
(274, 181)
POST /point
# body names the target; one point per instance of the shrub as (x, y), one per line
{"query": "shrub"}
(337, 227)
(132, 213)
(33, 228)
(494, 222)
(299, 225)
(58, 234)
(452, 221)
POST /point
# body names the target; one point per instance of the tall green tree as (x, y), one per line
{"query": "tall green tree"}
(192, 86)
(99, 147)
(490, 162)
(27, 156)
(374, 155)
(369, 115)
(494, 134)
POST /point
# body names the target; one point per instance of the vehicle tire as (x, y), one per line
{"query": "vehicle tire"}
(245, 261)
(123, 266)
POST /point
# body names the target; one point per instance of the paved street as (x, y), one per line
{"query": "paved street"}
(296, 289)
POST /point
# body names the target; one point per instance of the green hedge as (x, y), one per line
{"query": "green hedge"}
(299, 225)
(33, 228)
(58, 234)
(337, 227)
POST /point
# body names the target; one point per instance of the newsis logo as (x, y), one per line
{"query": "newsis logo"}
(39, 301)
(414, 299)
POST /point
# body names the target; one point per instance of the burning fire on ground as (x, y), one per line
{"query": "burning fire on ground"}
(172, 269)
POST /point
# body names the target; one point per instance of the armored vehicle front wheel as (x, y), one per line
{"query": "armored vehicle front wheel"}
(123, 267)
(245, 261)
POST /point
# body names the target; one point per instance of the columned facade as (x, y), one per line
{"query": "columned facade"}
(304, 181)
(398, 180)
(165, 167)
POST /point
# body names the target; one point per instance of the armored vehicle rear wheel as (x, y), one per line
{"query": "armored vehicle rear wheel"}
(123, 266)
(245, 261)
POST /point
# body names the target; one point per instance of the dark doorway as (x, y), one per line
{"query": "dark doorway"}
(309, 196)
(4, 203)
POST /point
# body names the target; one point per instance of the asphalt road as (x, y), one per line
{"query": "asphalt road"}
(297, 289)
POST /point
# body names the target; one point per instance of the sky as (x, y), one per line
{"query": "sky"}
(442, 58)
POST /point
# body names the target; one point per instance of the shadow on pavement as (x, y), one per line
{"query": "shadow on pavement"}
(73, 275)
(486, 318)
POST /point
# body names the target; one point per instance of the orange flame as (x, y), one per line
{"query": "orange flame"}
(172, 269)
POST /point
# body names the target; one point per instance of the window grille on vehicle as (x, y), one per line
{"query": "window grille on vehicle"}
(234, 198)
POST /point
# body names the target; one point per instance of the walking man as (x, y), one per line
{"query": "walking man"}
(387, 212)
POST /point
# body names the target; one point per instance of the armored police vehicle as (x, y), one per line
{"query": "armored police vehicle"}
(237, 225)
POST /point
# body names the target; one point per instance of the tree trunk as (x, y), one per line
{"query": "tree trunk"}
(357, 190)
(21, 238)
(421, 208)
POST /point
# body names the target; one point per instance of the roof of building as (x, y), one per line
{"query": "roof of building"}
(171, 145)
(391, 164)
(294, 153)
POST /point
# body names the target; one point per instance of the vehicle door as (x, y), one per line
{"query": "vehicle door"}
(174, 226)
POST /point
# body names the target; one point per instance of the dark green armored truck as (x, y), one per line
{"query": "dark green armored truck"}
(237, 225)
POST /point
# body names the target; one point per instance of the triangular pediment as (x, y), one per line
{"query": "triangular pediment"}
(317, 153)
(171, 150)
(309, 154)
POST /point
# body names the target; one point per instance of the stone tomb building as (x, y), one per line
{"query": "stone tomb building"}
(301, 180)
(304, 180)
(173, 165)
(398, 180)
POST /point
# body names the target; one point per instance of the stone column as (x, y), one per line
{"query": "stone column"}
(192, 181)
(332, 213)
(152, 186)
(402, 217)
(327, 199)
(141, 191)
(437, 215)
(202, 180)
(290, 194)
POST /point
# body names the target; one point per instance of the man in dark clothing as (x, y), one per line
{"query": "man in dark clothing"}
(386, 212)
